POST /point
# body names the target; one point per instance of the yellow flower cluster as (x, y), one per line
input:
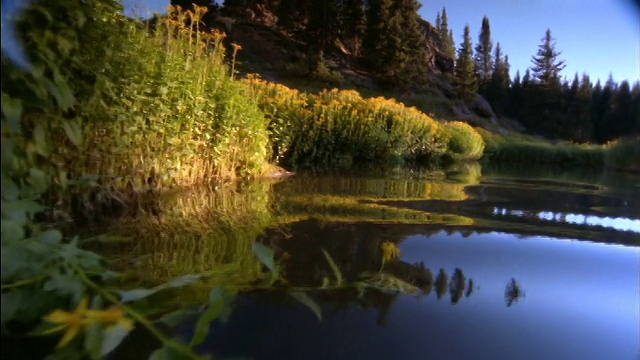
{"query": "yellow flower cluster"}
(81, 317)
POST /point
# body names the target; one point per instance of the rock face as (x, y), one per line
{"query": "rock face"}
(482, 107)
(435, 55)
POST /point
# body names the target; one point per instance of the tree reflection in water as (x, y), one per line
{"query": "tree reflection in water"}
(513, 293)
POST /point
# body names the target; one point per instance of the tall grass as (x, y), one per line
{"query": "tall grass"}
(623, 154)
(164, 110)
(518, 148)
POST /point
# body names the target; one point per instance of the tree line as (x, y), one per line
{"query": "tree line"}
(388, 37)
(542, 100)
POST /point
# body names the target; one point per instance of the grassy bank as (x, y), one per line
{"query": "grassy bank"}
(622, 154)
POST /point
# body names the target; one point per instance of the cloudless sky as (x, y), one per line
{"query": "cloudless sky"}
(597, 37)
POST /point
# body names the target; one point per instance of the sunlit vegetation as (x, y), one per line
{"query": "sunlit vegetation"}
(340, 127)
(622, 154)
(202, 231)
(516, 148)
(333, 208)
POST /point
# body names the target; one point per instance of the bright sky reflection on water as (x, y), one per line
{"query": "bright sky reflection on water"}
(618, 223)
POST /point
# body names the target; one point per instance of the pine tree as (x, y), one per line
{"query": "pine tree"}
(466, 83)
(498, 88)
(483, 58)
(635, 107)
(442, 24)
(323, 23)
(543, 110)
(620, 120)
(516, 102)
(546, 66)
(354, 24)
(394, 44)
(579, 124)
(601, 109)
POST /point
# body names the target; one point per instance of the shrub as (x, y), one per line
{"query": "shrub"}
(464, 142)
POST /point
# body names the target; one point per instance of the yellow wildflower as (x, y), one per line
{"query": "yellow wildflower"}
(113, 315)
(73, 321)
(82, 316)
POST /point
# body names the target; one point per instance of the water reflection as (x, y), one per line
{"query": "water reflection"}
(417, 251)
(513, 292)
(617, 223)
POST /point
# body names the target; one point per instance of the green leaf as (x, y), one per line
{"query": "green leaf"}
(10, 190)
(11, 231)
(73, 131)
(216, 303)
(308, 302)
(136, 294)
(40, 140)
(38, 179)
(93, 340)
(50, 237)
(334, 267)
(174, 318)
(113, 337)
(27, 206)
(65, 285)
(182, 281)
(167, 353)
(12, 111)
(161, 354)
(265, 255)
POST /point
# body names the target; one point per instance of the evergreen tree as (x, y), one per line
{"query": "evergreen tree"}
(579, 124)
(442, 24)
(323, 23)
(465, 77)
(620, 120)
(395, 44)
(497, 90)
(514, 110)
(354, 24)
(601, 110)
(483, 55)
(635, 107)
(543, 107)
(377, 27)
(546, 66)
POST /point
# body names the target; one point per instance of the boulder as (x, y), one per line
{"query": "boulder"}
(482, 108)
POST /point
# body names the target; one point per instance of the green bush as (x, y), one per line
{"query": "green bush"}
(464, 142)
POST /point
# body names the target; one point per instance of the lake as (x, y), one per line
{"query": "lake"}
(461, 263)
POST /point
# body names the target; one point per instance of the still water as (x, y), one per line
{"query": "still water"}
(464, 263)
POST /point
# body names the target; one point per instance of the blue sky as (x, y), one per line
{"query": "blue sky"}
(595, 36)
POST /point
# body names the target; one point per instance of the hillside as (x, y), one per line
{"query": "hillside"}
(286, 55)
